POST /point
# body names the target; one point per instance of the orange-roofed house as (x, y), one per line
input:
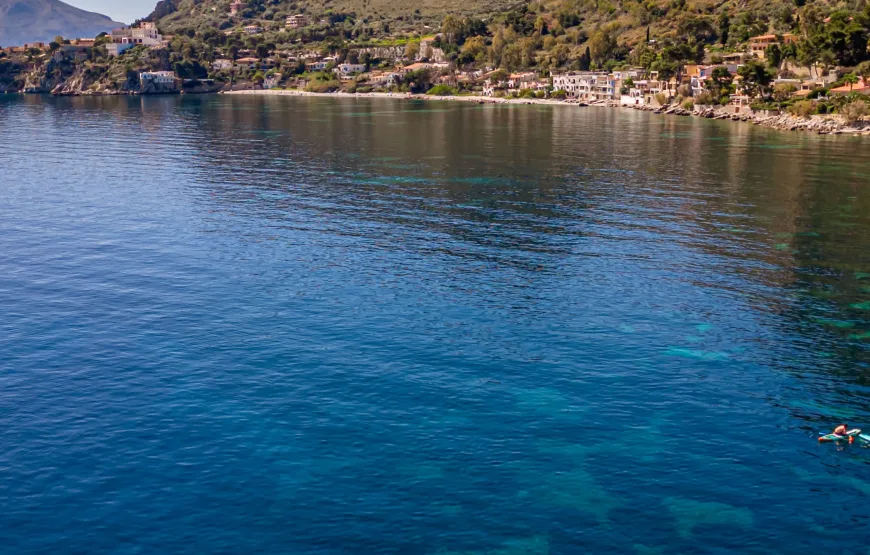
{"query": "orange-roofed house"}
(759, 45)
(861, 86)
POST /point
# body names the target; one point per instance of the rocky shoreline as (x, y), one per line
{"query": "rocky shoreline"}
(822, 125)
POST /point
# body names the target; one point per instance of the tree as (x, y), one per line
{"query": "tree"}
(262, 51)
(585, 60)
(845, 37)
(854, 111)
(418, 81)
(233, 52)
(756, 78)
(452, 29)
(474, 48)
(774, 55)
(783, 91)
(498, 76)
(802, 108)
(53, 45)
(724, 28)
(863, 70)
(412, 49)
(601, 45)
(807, 54)
(851, 79)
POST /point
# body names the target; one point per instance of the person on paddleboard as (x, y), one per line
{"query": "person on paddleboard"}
(841, 430)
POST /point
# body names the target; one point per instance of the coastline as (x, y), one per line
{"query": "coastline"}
(821, 125)
(405, 96)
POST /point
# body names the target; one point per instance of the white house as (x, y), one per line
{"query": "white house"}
(346, 70)
(253, 29)
(587, 85)
(128, 37)
(157, 78)
(221, 64)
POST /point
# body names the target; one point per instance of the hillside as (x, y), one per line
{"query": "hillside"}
(41, 20)
(626, 22)
(383, 16)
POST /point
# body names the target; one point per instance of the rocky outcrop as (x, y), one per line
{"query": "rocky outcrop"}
(383, 52)
(201, 86)
(45, 78)
(823, 125)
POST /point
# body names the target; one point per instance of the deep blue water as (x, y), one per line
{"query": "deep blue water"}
(316, 326)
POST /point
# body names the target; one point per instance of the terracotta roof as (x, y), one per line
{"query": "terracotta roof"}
(768, 37)
(857, 87)
(414, 67)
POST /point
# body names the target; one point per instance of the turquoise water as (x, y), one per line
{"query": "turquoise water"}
(317, 326)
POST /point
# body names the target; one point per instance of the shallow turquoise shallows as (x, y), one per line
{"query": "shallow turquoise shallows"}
(320, 326)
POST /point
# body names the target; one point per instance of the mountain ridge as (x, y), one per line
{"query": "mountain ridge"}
(23, 21)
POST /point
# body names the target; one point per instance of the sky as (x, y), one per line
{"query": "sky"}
(125, 11)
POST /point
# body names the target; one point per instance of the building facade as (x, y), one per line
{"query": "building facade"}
(297, 21)
(125, 38)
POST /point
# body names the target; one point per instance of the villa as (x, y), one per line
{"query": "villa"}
(591, 86)
(346, 70)
(860, 87)
(125, 38)
(759, 45)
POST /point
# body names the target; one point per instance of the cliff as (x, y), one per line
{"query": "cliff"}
(70, 71)
(54, 72)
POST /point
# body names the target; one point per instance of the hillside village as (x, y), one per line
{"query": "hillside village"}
(804, 62)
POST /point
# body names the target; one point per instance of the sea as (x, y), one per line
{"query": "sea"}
(278, 325)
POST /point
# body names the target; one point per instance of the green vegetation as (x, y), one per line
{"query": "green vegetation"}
(548, 35)
(802, 108)
(442, 90)
(317, 86)
(854, 111)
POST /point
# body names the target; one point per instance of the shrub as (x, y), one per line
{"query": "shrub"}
(705, 99)
(441, 90)
(528, 93)
(854, 111)
(783, 91)
(802, 108)
(661, 99)
(559, 95)
(689, 104)
(322, 86)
